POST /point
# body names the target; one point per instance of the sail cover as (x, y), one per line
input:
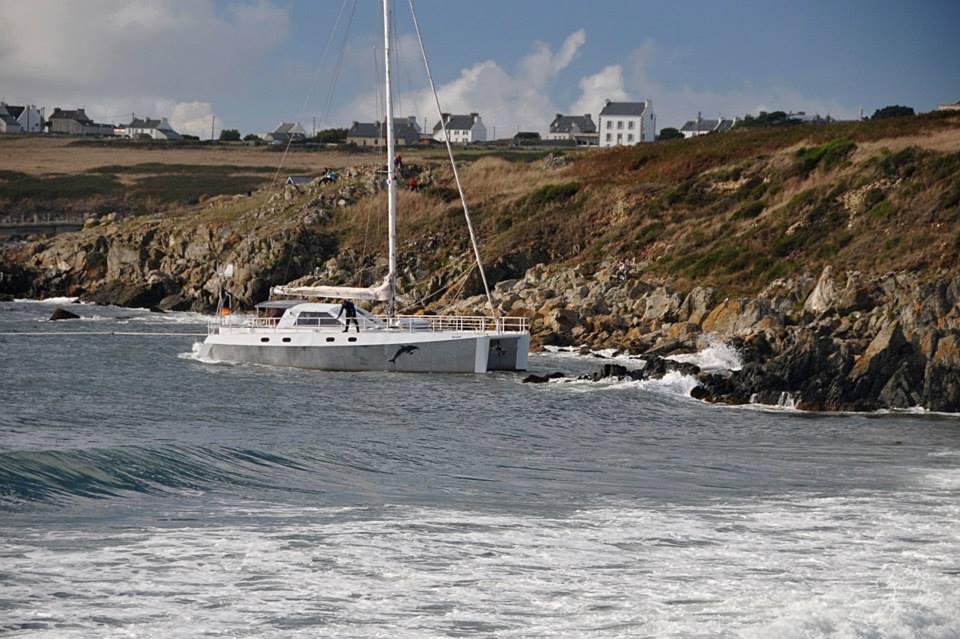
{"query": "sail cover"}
(373, 294)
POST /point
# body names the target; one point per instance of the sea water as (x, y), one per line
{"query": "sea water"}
(144, 493)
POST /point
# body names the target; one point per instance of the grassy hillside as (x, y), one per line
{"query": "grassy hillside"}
(736, 210)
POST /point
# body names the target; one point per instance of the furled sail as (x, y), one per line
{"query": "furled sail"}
(379, 293)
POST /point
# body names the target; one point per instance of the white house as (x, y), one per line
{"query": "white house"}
(462, 129)
(579, 128)
(627, 123)
(8, 123)
(286, 132)
(29, 117)
(156, 129)
(701, 126)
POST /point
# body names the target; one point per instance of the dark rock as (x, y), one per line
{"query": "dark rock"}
(542, 379)
(61, 314)
(657, 367)
(137, 295)
(6, 297)
(176, 302)
(156, 309)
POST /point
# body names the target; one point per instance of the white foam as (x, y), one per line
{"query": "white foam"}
(861, 565)
(673, 383)
(196, 355)
(716, 357)
(50, 300)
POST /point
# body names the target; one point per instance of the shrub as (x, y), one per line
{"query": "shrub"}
(894, 111)
(443, 193)
(670, 133)
(649, 232)
(749, 210)
(549, 194)
(229, 135)
(825, 156)
(331, 136)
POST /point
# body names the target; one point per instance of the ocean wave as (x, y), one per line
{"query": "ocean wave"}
(55, 476)
(716, 357)
(673, 383)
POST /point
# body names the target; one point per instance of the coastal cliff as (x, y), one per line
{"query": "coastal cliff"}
(828, 256)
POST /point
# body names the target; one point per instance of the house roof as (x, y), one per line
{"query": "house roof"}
(297, 180)
(402, 128)
(566, 123)
(365, 130)
(291, 128)
(138, 123)
(77, 115)
(458, 122)
(624, 108)
(718, 126)
(15, 111)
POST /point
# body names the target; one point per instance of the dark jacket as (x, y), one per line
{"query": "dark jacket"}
(349, 308)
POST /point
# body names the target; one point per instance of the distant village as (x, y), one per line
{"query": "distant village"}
(617, 124)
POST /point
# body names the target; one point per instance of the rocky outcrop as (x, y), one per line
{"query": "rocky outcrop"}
(842, 341)
(62, 314)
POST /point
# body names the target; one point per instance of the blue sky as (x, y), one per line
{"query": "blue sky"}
(255, 62)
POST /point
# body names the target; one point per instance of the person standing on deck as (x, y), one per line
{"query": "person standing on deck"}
(346, 306)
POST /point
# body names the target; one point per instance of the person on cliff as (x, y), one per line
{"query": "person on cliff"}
(346, 306)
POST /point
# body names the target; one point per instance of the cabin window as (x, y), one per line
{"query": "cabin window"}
(286, 339)
(316, 318)
(331, 339)
(351, 339)
(264, 339)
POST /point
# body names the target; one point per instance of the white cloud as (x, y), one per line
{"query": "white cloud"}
(193, 118)
(606, 84)
(505, 100)
(120, 56)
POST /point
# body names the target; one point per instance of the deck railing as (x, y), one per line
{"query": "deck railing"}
(411, 323)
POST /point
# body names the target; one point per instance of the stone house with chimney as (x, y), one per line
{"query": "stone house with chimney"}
(76, 122)
(406, 132)
(579, 128)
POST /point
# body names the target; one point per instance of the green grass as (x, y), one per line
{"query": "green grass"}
(825, 156)
(58, 187)
(189, 188)
(749, 211)
(548, 195)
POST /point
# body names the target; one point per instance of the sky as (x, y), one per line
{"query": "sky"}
(251, 64)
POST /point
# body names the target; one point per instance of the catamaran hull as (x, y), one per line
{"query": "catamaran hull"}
(471, 354)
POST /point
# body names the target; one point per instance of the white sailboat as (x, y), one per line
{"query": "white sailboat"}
(305, 333)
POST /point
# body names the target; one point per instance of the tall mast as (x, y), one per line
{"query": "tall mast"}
(391, 178)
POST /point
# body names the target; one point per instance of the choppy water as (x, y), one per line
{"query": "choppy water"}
(143, 493)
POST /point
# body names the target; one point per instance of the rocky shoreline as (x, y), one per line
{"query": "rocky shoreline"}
(840, 342)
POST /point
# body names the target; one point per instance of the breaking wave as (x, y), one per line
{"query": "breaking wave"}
(55, 476)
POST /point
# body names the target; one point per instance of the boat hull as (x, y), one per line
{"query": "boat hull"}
(375, 351)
